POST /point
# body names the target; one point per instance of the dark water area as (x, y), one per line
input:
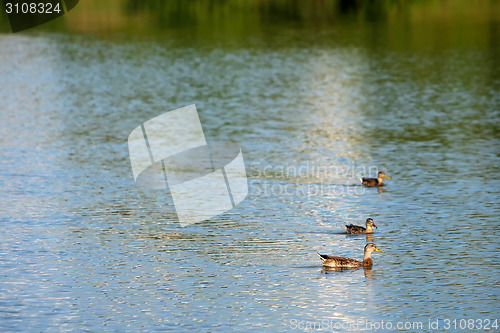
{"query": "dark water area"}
(316, 94)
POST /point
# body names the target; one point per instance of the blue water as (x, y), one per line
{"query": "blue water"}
(82, 248)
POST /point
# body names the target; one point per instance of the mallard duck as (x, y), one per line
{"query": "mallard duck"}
(373, 182)
(334, 261)
(356, 229)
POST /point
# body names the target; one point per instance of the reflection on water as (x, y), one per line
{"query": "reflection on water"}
(333, 270)
(369, 238)
(83, 248)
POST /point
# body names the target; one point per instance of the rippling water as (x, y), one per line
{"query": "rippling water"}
(83, 248)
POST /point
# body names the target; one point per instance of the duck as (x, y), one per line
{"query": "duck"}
(356, 229)
(373, 182)
(334, 261)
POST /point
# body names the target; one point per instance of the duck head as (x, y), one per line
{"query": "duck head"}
(369, 248)
(382, 175)
(370, 223)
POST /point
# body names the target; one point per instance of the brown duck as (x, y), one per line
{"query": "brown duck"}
(356, 229)
(374, 182)
(334, 261)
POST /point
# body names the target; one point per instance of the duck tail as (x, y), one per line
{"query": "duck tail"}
(321, 256)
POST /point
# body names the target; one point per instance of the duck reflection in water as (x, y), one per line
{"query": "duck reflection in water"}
(369, 238)
(329, 270)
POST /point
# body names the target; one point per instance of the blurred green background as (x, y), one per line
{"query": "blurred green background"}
(418, 25)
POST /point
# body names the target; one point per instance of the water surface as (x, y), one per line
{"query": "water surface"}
(83, 248)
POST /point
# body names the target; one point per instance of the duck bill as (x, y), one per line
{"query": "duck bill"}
(387, 177)
(375, 226)
(379, 250)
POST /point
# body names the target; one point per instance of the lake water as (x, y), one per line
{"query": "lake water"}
(82, 248)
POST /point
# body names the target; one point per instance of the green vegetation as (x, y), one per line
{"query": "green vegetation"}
(409, 25)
